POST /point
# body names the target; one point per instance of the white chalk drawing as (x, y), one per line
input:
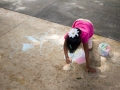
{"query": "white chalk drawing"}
(25, 47)
(16, 49)
(41, 38)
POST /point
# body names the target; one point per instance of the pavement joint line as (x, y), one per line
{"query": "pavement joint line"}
(43, 9)
(14, 27)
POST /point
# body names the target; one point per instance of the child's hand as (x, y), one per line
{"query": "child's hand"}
(90, 69)
(68, 60)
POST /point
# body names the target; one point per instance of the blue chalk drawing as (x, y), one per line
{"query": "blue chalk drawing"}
(41, 40)
(27, 46)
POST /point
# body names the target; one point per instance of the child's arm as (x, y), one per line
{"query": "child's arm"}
(66, 53)
(89, 69)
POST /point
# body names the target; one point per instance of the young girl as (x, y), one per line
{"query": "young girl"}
(82, 31)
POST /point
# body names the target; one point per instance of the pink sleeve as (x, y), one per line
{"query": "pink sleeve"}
(85, 39)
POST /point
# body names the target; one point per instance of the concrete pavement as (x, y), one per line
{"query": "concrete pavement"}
(39, 67)
(103, 13)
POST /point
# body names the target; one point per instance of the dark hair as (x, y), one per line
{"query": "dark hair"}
(73, 43)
